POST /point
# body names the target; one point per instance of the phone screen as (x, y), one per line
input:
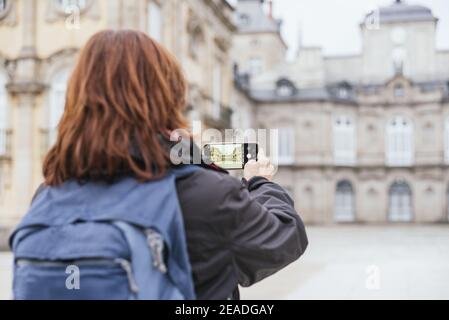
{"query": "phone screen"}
(231, 156)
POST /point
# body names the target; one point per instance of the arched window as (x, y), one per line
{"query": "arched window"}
(400, 146)
(344, 141)
(4, 123)
(446, 140)
(344, 202)
(400, 206)
(57, 103)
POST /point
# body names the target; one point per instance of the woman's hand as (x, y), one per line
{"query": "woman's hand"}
(260, 168)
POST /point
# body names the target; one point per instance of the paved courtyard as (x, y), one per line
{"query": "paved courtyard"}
(351, 262)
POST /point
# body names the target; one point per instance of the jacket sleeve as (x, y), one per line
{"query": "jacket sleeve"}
(268, 233)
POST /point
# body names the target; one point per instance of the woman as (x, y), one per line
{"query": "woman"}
(125, 97)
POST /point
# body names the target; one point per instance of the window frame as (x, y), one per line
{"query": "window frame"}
(286, 145)
(400, 201)
(345, 207)
(400, 144)
(344, 134)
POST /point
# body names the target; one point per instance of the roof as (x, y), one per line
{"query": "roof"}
(401, 11)
(251, 18)
(331, 92)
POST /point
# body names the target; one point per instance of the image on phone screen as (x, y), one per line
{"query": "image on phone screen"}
(231, 156)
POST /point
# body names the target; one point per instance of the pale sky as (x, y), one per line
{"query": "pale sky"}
(334, 24)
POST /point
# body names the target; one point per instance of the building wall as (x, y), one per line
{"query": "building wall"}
(313, 177)
(266, 46)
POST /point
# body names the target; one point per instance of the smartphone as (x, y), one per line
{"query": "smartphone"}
(230, 156)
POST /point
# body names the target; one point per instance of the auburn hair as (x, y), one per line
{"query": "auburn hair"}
(125, 96)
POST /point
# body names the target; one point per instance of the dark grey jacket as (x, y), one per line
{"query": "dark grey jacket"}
(238, 232)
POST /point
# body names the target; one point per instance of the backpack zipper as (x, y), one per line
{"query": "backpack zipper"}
(123, 263)
(156, 244)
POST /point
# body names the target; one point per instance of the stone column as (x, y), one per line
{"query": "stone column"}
(24, 87)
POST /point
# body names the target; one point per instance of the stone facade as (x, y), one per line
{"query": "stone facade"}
(369, 132)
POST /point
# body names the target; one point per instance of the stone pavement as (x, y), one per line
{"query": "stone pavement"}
(351, 262)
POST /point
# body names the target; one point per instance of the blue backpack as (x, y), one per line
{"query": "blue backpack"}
(99, 241)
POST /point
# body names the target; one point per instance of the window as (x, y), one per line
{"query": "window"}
(67, 5)
(3, 116)
(343, 93)
(57, 104)
(343, 90)
(216, 94)
(154, 15)
(446, 140)
(400, 206)
(285, 88)
(255, 65)
(344, 141)
(344, 202)
(286, 146)
(400, 146)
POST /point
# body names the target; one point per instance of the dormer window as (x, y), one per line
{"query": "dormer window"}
(285, 88)
(343, 90)
(343, 93)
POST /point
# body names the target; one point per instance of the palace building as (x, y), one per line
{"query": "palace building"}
(362, 138)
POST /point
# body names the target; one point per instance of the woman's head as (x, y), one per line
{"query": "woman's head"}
(125, 94)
